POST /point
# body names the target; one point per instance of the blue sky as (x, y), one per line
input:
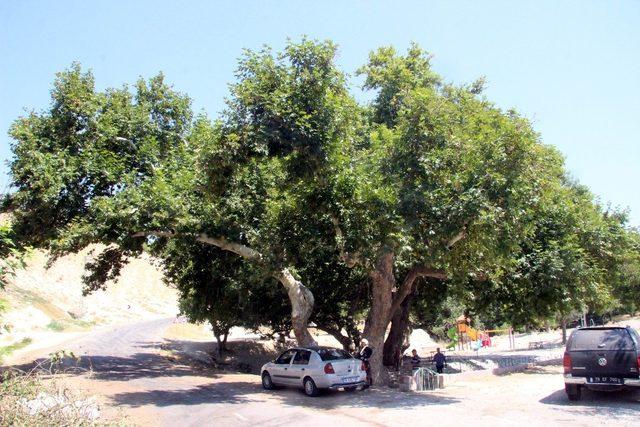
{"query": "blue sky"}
(572, 67)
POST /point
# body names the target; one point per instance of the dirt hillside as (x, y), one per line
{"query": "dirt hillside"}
(48, 301)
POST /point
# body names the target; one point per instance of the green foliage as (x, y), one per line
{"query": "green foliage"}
(300, 173)
(56, 326)
(11, 256)
(452, 334)
(217, 287)
(578, 258)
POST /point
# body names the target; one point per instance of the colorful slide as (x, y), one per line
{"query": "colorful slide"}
(473, 334)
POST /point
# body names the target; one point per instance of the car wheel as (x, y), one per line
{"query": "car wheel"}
(267, 382)
(350, 389)
(310, 388)
(573, 391)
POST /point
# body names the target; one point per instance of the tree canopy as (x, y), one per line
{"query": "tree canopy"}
(350, 207)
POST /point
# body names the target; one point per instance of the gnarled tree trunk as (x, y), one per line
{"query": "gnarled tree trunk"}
(385, 304)
(398, 339)
(382, 281)
(301, 307)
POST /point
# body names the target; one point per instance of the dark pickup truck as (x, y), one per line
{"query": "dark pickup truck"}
(601, 358)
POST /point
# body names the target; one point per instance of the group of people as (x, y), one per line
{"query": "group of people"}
(439, 359)
(366, 352)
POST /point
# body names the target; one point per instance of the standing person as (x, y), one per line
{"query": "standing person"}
(365, 354)
(415, 359)
(439, 360)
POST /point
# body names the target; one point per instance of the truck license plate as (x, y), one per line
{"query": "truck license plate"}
(604, 380)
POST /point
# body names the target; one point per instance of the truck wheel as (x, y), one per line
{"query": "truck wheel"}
(310, 388)
(573, 391)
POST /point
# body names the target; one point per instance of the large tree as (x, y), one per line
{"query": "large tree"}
(360, 205)
(442, 188)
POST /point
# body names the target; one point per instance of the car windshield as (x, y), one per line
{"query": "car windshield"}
(601, 339)
(333, 354)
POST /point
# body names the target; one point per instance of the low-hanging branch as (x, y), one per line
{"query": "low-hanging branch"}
(300, 296)
(219, 241)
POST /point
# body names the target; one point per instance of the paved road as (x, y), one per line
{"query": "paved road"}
(132, 376)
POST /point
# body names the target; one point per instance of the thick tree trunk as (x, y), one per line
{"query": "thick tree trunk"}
(564, 330)
(382, 281)
(220, 351)
(301, 307)
(221, 334)
(398, 340)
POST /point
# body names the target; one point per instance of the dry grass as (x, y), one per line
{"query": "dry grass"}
(38, 397)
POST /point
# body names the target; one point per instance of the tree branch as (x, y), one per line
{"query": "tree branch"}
(156, 233)
(461, 235)
(220, 242)
(335, 332)
(350, 259)
(300, 296)
(409, 279)
(237, 248)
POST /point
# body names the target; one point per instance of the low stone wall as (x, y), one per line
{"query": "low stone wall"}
(508, 369)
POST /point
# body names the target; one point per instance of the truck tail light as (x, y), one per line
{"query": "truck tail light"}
(566, 362)
(328, 369)
(638, 362)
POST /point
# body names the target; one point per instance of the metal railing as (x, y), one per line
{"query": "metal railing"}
(426, 379)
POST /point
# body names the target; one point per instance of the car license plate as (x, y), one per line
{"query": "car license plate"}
(604, 380)
(349, 379)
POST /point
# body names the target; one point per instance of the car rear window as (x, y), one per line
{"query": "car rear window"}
(601, 339)
(333, 354)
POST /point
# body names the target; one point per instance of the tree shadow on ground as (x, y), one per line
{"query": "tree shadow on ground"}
(211, 387)
(222, 393)
(238, 392)
(379, 397)
(613, 404)
(114, 368)
(242, 355)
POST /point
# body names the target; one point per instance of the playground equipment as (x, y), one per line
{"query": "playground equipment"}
(467, 337)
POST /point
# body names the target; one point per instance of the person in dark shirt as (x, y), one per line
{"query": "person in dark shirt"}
(415, 359)
(365, 354)
(439, 360)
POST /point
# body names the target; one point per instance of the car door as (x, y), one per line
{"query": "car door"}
(280, 374)
(299, 366)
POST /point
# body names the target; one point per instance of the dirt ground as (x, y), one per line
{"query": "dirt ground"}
(132, 375)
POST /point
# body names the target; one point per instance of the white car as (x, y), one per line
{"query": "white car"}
(314, 369)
